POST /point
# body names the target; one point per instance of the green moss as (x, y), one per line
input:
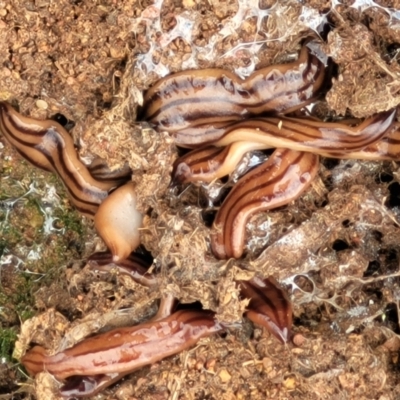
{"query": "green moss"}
(16, 301)
(22, 231)
(8, 336)
(2, 247)
(70, 221)
(24, 302)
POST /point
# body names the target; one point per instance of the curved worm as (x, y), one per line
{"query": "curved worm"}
(98, 362)
(100, 171)
(202, 101)
(281, 179)
(387, 148)
(324, 138)
(135, 266)
(269, 306)
(117, 221)
(101, 360)
(47, 145)
(329, 139)
(209, 163)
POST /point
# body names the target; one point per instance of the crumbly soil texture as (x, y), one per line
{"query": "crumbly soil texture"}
(336, 249)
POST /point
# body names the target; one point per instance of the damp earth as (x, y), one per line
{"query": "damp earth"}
(336, 249)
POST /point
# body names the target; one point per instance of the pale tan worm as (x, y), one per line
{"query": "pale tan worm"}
(387, 148)
(281, 179)
(195, 103)
(209, 163)
(117, 221)
(324, 138)
(135, 266)
(299, 134)
(101, 360)
(47, 145)
(98, 362)
(167, 306)
(302, 134)
(269, 306)
(100, 171)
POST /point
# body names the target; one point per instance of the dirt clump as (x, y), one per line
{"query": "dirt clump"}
(336, 249)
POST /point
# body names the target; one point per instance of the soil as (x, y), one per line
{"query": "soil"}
(336, 249)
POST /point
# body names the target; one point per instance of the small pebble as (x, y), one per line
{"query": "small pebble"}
(224, 375)
(210, 364)
(42, 105)
(298, 340)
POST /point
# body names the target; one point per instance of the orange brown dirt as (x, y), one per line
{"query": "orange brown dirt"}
(337, 248)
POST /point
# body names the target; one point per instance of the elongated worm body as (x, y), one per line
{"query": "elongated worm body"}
(121, 351)
(135, 266)
(387, 148)
(301, 134)
(209, 163)
(324, 138)
(281, 179)
(184, 103)
(269, 306)
(100, 171)
(97, 362)
(198, 108)
(47, 145)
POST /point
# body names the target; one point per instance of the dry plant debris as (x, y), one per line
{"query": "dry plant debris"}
(337, 248)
